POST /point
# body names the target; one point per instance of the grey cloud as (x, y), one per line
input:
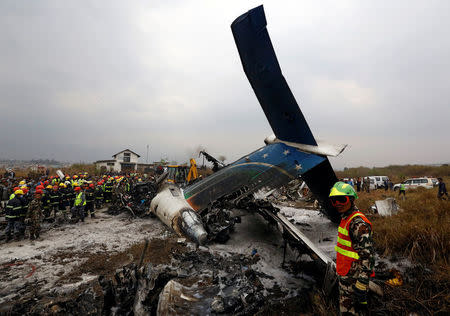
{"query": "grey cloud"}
(81, 80)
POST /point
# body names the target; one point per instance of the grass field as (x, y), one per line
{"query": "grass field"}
(419, 232)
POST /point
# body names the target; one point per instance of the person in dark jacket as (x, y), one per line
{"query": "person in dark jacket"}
(442, 190)
(14, 210)
(107, 193)
(55, 197)
(98, 195)
(63, 200)
(70, 196)
(90, 200)
(46, 201)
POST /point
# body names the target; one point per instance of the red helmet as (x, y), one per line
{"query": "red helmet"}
(38, 191)
(91, 185)
(77, 189)
(15, 189)
(40, 187)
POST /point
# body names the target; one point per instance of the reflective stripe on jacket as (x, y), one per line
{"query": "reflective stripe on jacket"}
(345, 254)
(14, 208)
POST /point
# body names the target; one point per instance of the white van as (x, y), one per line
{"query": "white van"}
(372, 185)
(379, 181)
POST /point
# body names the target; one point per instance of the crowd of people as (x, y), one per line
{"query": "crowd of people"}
(363, 184)
(70, 199)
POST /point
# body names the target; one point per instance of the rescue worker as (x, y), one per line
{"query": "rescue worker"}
(26, 198)
(127, 187)
(13, 212)
(72, 194)
(354, 251)
(442, 190)
(402, 190)
(78, 205)
(55, 196)
(367, 184)
(12, 194)
(46, 201)
(74, 179)
(34, 215)
(108, 187)
(63, 199)
(90, 200)
(98, 195)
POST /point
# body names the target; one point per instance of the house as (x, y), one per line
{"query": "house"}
(124, 161)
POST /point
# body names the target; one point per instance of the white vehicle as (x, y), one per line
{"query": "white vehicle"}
(415, 183)
(379, 181)
(372, 185)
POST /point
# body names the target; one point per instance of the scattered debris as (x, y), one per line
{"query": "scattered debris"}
(217, 165)
(387, 207)
(136, 202)
(196, 282)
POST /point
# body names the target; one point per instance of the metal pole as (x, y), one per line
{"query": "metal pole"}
(146, 161)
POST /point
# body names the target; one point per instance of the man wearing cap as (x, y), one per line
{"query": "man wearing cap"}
(34, 215)
(13, 212)
(354, 251)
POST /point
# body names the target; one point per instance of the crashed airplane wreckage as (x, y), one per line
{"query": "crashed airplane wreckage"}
(290, 153)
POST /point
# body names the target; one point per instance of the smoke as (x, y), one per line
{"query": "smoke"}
(194, 152)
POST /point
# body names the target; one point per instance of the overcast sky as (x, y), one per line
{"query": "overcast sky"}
(82, 80)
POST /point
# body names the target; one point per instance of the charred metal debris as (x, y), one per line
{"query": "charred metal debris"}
(136, 202)
(196, 282)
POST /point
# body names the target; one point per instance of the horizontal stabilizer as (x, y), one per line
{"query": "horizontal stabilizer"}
(322, 148)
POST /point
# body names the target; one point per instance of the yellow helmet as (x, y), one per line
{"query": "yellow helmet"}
(23, 187)
(62, 184)
(75, 184)
(49, 187)
(22, 182)
(18, 192)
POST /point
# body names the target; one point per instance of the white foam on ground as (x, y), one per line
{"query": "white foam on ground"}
(117, 233)
(319, 229)
(105, 233)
